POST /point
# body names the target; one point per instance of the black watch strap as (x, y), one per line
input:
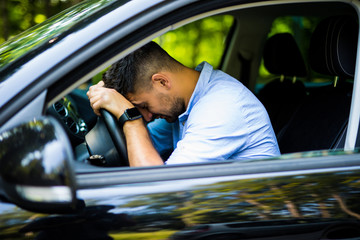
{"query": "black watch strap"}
(129, 115)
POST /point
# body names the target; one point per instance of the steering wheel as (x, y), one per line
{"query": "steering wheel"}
(107, 140)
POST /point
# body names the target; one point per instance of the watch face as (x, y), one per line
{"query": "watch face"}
(133, 113)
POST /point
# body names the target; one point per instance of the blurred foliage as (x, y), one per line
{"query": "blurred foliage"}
(162, 234)
(203, 40)
(19, 15)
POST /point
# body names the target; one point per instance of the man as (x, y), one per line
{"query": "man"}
(202, 115)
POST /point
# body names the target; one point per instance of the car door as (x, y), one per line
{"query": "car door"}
(314, 196)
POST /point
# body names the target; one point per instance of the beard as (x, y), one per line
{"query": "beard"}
(175, 108)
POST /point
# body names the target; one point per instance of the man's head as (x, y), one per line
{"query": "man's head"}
(137, 76)
(134, 72)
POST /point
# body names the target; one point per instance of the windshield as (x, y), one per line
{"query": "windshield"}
(50, 31)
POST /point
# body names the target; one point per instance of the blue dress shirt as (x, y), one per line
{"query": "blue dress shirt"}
(223, 120)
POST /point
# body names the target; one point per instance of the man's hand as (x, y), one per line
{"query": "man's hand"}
(107, 98)
(141, 152)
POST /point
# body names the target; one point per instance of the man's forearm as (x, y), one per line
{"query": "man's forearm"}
(141, 151)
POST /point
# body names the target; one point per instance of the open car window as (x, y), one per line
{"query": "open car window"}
(290, 87)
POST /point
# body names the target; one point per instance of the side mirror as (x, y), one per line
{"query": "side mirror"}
(36, 170)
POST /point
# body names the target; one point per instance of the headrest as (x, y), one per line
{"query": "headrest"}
(282, 56)
(333, 46)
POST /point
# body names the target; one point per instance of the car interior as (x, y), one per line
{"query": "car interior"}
(298, 59)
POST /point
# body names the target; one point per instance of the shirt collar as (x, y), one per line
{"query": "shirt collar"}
(205, 70)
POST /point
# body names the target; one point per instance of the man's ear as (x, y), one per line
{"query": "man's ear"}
(161, 80)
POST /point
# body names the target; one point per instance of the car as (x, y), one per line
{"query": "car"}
(63, 170)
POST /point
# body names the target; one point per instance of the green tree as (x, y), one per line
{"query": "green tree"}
(202, 40)
(19, 15)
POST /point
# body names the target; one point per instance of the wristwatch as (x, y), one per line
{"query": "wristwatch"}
(129, 115)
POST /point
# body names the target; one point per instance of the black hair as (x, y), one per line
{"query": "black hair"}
(134, 71)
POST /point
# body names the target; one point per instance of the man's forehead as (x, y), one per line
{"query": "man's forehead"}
(132, 98)
(138, 98)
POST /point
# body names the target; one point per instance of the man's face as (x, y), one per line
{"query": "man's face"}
(154, 104)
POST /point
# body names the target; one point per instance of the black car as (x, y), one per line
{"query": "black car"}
(63, 171)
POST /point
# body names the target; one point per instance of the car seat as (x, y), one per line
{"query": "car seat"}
(283, 95)
(320, 122)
